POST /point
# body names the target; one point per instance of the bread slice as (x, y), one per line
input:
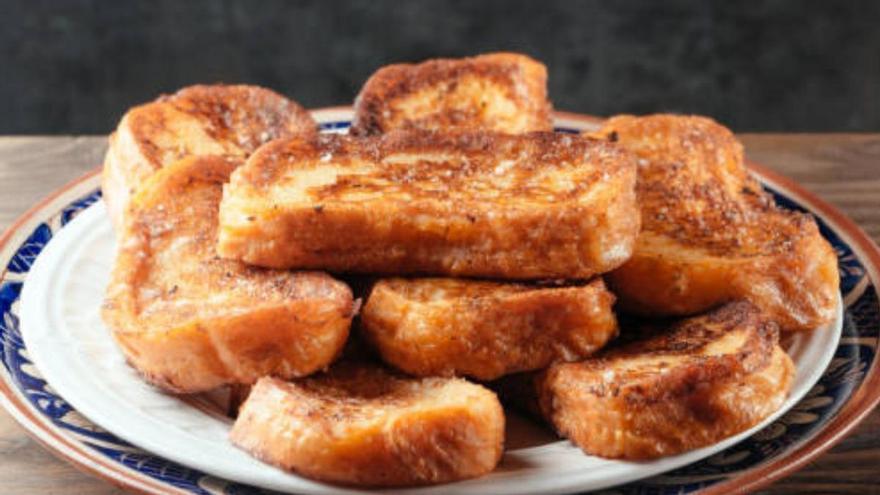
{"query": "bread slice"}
(449, 327)
(190, 321)
(693, 384)
(360, 425)
(541, 205)
(503, 92)
(231, 121)
(710, 234)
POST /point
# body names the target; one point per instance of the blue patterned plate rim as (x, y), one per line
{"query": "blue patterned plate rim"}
(846, 393)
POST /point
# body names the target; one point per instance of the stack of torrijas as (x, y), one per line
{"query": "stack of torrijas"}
(485, 236)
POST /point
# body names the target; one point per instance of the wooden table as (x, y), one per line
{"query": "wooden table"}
(844, 169)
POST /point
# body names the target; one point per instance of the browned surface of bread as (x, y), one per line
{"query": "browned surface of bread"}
(710, 234)
(230, 121)
(360, 425)
(541, 205)
(190, 321)
(458, 327)
(695, 383)
(504, 92)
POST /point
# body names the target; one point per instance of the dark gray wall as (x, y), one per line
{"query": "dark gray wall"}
(74, 66)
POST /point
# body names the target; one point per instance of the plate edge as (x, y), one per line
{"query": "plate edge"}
(861, 403)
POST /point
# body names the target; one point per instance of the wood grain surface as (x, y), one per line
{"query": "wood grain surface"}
(843, 169)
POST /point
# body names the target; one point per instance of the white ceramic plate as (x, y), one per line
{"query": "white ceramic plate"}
(73, 350)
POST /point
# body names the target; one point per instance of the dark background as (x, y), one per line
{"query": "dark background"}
(74, 66)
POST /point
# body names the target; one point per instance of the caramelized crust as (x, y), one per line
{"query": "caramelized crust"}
(360, 425)
(230, 121)
(541, 205)
(695, 383)
(503, 92)
(190, 321)
(447, 327)
(710, 234)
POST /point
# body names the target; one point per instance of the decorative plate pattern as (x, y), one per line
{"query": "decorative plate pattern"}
(56, 424)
